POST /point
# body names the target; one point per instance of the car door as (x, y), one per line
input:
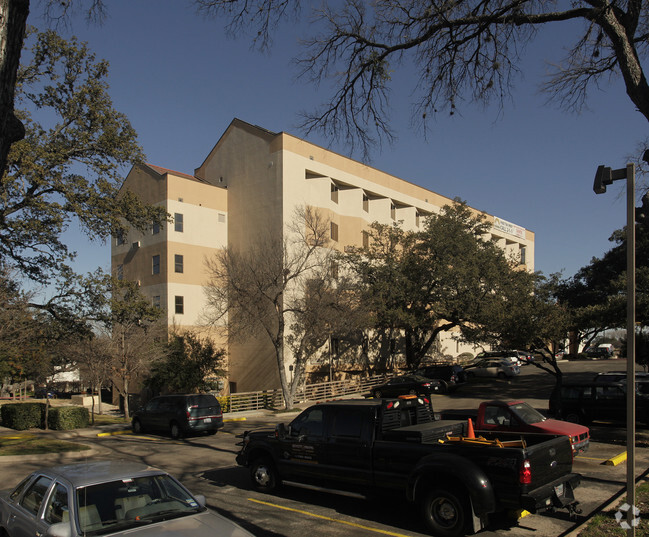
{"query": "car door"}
(301, 450)
(24, 520)
(610, 403)
(150, 415)
(347, 454)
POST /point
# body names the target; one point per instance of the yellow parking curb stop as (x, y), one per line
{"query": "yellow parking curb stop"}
(614, 461)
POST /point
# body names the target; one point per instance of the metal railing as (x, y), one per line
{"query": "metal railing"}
(322, 391)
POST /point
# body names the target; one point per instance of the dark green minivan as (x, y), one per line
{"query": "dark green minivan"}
(585, 402)
(180, 415)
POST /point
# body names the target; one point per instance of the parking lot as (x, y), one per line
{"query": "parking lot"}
(206, 465)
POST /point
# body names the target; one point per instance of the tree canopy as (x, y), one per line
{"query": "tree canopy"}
(68, 167)
(461, 51)
(443, 278)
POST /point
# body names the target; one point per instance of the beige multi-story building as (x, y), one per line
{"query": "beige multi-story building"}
(254, 179)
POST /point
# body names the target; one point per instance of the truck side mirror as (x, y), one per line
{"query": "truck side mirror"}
(280, 430)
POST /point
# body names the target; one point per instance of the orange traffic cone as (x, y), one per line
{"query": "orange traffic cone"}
(469, 430)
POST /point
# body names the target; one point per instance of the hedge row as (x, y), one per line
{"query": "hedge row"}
(22, 416)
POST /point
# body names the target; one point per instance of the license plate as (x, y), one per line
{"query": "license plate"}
(558, 490)
(207, 420)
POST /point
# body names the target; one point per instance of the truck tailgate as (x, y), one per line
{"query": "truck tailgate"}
(549, 460)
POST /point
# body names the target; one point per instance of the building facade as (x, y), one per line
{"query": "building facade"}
(253, 180)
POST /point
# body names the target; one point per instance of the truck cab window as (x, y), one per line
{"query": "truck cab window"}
(309, 423)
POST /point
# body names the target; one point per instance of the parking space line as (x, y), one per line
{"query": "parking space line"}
(344, 522)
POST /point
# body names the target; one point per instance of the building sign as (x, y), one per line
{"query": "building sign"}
(508, 227)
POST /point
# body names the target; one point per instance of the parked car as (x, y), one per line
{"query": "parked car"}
(451, 376)
(492, 367)
(595, 353)
(108, 498)
(179, 415)
(518, 416)
(406, 385)
(585, 402)
(524, 357)
(509, 356)
(618, 376)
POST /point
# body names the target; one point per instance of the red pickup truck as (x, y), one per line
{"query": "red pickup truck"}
(518, 416)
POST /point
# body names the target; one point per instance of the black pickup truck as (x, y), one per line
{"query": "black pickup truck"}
(374, 445)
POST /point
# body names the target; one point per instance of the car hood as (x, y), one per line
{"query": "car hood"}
(561, 427)
(206, 524)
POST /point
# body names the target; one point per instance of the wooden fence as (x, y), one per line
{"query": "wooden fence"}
(322, 391)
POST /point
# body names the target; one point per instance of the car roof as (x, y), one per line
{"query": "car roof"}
(89, 473)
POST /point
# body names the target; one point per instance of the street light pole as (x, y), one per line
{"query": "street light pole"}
(605, 176)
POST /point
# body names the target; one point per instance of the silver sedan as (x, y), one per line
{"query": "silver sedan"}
(107, 498)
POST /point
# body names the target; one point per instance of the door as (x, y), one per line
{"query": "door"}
(610, 403)
(24, 519)
(300, 456)
(347, 455)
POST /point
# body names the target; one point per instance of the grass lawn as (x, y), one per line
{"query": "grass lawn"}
(605, 524)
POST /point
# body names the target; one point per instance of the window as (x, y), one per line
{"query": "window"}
(393, 211)
(334, 231)
(178, 222)
(366, 239)
(156, 301)
(221, 218)
(366, 203)
(417, 218)
(180, 305)
(334, 192)
(155, 229)
(523, 255)
(120, 239)
(178, 263)
(156, 264)
(57, 507)
(348, 424)
(34, 496)
(120, 272)
(309, 423)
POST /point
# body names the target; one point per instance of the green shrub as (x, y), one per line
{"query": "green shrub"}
(64, 418)
(224, 401)
(22, 416)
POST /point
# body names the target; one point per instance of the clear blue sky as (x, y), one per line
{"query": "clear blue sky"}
(181, 81)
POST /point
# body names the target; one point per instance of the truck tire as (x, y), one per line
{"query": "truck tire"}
(445, 512)
(263, 475)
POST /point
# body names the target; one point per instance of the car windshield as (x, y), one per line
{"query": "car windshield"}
(526, 413)
(118, 505)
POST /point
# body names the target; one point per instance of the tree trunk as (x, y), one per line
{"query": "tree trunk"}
(13, 19)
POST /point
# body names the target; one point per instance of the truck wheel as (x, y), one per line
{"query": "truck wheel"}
(264, 475)
(377, 394)
(445, 513)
